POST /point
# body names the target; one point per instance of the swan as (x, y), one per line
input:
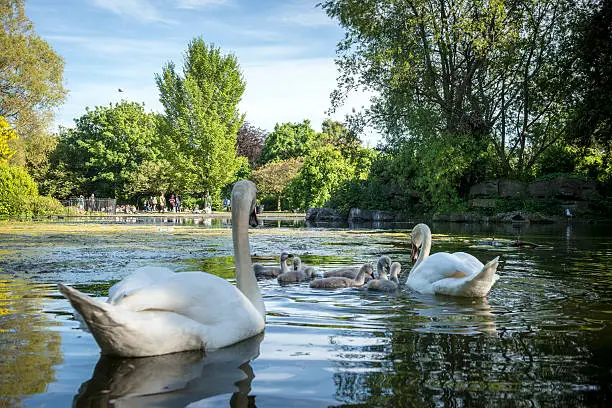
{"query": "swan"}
(457, 274)
(335, 282)
(262, 271)
(155, 313)
(299, 266)
(352, 271)
(298, 274)
(384, 283)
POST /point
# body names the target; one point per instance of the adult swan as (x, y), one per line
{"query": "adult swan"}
(456, 274)
(155, 311)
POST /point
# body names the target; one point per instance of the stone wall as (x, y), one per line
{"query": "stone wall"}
(572, 193)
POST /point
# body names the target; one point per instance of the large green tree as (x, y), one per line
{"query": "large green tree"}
(488, 71)
(201, 118)
(289, 140)
(31, 73)
(323, 171)
(108, 151)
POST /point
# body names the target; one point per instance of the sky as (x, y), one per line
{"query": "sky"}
(285, 48)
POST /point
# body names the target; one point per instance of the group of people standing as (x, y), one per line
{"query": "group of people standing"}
(159, 204)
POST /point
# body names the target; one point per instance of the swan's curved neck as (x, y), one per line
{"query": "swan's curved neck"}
(425, 247)
(245, 277)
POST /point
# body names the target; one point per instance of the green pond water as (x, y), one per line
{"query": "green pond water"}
(542, 337)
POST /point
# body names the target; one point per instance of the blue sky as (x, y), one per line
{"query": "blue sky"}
(285, 49)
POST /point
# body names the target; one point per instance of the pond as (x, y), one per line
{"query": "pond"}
(542, 337)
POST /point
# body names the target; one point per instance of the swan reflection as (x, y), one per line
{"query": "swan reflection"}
(173, 380)
(446, 314)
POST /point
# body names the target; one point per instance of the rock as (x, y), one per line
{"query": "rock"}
(512, 189)
(484, 189)
(564, 188)
(357, 214)
(383, 216)
(324, 214)
(482, 202)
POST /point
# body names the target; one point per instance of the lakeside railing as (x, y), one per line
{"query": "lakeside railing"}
(77, 205)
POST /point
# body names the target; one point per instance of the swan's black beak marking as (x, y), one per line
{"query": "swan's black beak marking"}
(253, 221)
(414, 252)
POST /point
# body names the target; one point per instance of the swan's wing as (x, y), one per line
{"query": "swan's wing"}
(141, 278)
(443, 265)
(469, 260)
(205, 298)
(475, 285)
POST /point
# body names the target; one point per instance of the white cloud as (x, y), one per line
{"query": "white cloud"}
(141, 10)
(303, 14)
(114, 46)
(199, 4)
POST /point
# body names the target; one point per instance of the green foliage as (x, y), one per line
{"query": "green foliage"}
(201, 118)
(289, 140)
(113, 152)
(19, 194)
(31, 73)
(324, 170)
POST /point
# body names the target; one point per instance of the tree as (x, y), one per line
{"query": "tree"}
(485, 70)
(323, 171)
(201, 118)
(6, 134)
(289, 140)
(273, 178)
(250, 141)
(339, 136)
(31, 73)
(107, 150)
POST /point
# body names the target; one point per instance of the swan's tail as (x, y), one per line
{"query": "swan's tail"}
(477, 285)
(122, 332)
(100, 317)
(93, 311)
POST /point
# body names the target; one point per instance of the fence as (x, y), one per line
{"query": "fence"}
(90, 205)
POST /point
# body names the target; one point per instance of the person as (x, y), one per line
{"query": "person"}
(225, 204)
(178, 203)
(207, 204)
(172, 203)
(81, 203)
(154, 203)
(92, 202)
(162, 202)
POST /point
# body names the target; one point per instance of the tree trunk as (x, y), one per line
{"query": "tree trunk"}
(278, 207)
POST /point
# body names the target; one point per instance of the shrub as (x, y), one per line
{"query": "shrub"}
(19, 194)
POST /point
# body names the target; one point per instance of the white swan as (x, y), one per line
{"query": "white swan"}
(262, 271)
(155, 312)
(456, 274)
(336, 282)
(298, 274)
(384, 283)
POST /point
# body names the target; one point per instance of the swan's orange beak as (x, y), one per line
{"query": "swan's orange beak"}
(414, 253)
(253, 221)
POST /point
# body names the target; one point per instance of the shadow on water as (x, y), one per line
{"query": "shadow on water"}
(223, 377)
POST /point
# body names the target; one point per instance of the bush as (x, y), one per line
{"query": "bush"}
(19, 194)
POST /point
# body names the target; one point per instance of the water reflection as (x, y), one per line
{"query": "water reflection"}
(219, 378)
(29, 348)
